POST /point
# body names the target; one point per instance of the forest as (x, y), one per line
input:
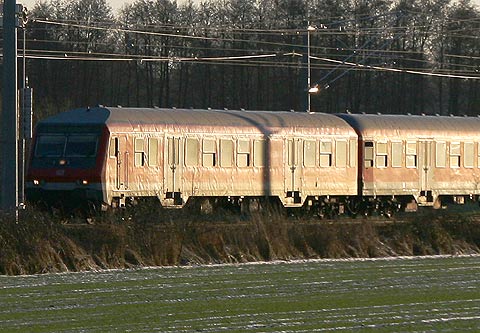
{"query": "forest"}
(375, 56)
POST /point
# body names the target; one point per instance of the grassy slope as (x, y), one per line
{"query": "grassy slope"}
(150, 236)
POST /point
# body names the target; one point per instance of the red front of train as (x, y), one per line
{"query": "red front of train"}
(67, 161)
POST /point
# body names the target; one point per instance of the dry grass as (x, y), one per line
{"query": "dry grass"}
(147, 235)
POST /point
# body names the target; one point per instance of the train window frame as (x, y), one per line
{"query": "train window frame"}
(114, 147)
(209, 152)
(341, 155)
(411, 154)
(469, 155)
(309, 153)
(227, 148)
(173, 151)
(397, 154)
(80, 139)
(153, 151)
(244, 153)
(325, 153)
(192, 151)
(455, 154)
(292, 152)
(369, 154)
(139, 151)
(441, 154)
(381, 154)
(478, 154)
(353, 152)
(259, 150)
(48, 135)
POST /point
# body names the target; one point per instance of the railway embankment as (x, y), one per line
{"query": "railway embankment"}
(148, 236)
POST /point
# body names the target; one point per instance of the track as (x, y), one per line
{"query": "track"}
(164, 217)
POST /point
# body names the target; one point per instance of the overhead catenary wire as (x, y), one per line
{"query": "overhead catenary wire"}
(233, 58)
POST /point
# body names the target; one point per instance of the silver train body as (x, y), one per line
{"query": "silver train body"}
(323, 162)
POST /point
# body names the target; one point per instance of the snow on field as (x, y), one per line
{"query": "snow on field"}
(402, 294)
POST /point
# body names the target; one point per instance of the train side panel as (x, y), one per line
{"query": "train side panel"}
(422, 157)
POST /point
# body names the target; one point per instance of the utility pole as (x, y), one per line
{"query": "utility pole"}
(9, 117)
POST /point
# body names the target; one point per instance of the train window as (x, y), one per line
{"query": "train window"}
(243, 153)
(226, 153)
(153, 152)
(50, 146)
(353, 153)
(341, 154)
(191, 152)
(368, 159)
(411, 155)
(441, 154)
(81, 145)
(454, 154)
(382, 154)
(173, 151)
(478, 155)
(139, 152)
(469, 152)
(325, 153)
(292, 152)
(309, 150)
(114, 147)
(209, 152)
(397, 154)
(259, 153)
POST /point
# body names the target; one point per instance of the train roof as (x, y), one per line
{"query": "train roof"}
(159, 119)
(413, 126)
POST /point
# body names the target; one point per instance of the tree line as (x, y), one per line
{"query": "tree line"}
(388, 56)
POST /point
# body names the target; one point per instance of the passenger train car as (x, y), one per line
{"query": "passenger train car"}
(109, 156)
(328, 164)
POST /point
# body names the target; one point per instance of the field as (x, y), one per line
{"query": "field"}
(382, 295)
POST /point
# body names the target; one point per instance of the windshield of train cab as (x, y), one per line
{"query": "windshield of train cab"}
(58, 148)
(66, 145)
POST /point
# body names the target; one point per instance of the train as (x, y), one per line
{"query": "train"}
(326, 164)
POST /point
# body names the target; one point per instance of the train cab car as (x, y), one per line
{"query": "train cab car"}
(427, 158)
(67, 159)
(113, 155)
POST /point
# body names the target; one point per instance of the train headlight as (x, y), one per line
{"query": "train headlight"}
(84, 182)
(62, 162)
(36, 182)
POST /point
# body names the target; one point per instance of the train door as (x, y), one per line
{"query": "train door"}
(293, 169)
(173, 170)
(119, 151)
(426, 169)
